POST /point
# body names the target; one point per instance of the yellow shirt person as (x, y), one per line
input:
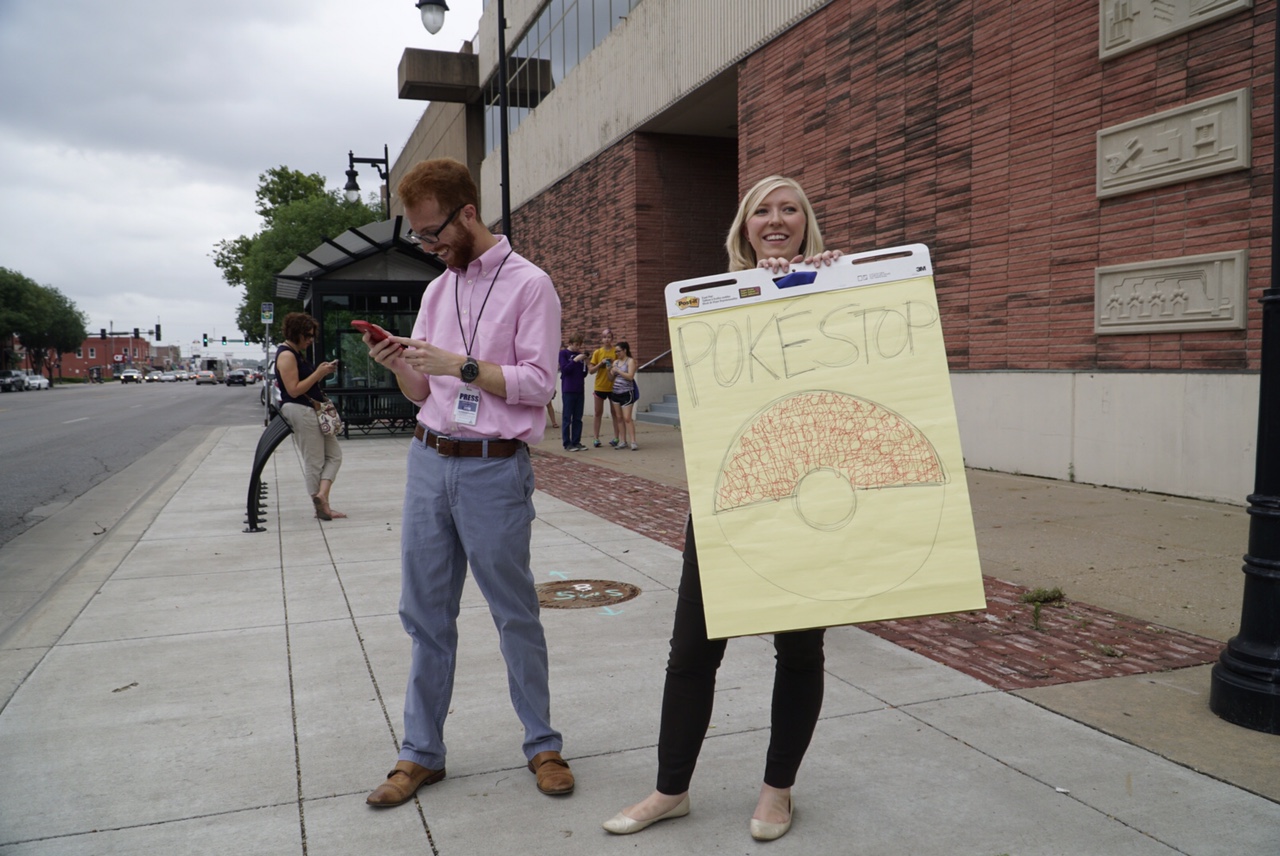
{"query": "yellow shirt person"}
(604, 383)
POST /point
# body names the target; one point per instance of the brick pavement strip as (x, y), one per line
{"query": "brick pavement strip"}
(999, 646)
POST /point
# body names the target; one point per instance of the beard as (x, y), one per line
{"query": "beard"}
(462, 249)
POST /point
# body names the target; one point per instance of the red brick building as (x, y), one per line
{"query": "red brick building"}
(109, 356)
(1093, 180)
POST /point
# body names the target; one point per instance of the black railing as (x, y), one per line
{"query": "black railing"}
(369, 410)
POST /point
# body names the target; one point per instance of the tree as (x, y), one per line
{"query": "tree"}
(279, 186)
(41, 316)
(65, 328)
(298, 214)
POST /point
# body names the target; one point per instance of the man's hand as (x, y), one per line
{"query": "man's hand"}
(385, 353)
(423, 358)
(427, 359)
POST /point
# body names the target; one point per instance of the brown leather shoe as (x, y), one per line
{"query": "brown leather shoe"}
(402, 783)
(554, 776)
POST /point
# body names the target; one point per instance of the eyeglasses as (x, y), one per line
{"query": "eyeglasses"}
(432, 236)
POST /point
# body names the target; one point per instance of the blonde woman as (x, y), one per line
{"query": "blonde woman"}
(775, 227)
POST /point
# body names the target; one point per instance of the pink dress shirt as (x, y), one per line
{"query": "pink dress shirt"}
(518, 328)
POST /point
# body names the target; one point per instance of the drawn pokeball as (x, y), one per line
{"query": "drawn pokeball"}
(835, 471)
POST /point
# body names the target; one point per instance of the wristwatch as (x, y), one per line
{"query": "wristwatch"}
(470, 370)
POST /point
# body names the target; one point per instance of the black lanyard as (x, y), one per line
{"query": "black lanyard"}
(457, 306)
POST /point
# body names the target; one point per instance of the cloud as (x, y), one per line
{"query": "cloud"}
(133, 134)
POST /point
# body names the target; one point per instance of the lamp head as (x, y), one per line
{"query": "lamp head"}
(432, 14)
(352, 190)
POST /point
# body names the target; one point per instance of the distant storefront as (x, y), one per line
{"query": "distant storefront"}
(105, 357)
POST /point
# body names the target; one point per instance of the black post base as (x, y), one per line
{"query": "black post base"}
(1244, 701)
(1245, 684)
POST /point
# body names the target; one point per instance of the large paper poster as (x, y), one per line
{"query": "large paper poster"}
(823, 457)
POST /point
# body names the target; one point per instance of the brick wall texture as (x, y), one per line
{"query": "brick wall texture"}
(968, 126)
(650, 210)
(965, 125)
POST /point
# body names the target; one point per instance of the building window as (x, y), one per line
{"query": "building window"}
(560, 37)
(80, 353)
(93, 353)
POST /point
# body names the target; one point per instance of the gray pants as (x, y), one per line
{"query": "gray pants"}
(321, 454)
(477, 511)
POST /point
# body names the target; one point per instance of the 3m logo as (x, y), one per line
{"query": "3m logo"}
(688, 303)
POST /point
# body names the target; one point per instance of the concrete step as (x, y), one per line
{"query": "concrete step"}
(658, 418)
(664, 412)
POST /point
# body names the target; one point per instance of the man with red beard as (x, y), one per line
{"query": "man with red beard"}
(481, 366)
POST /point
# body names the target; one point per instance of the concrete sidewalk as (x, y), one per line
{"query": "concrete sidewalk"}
(188, 688)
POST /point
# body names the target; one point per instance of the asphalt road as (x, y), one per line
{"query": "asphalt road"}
(57, 444)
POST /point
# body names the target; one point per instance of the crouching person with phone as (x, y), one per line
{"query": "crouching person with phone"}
(481, 366)
(299, 381)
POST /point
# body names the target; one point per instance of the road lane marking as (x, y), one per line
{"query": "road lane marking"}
(81, 419)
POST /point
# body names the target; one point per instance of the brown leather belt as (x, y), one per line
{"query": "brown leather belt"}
(450, 447)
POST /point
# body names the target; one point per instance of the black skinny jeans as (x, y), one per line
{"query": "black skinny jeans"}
(691, 684)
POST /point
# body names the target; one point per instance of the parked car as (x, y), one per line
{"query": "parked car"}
(35, 380)
(12, 380)
(131, 376)
(237, 377)
(205, 377)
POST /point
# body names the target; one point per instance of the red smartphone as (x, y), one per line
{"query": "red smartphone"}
(376, 333)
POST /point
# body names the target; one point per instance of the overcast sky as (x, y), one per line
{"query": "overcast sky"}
(133, 132)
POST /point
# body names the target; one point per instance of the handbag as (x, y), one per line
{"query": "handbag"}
(327, 416)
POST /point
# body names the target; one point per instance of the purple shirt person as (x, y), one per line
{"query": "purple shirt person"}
(573, 373)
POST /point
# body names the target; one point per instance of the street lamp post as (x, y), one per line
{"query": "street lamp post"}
(433, 19)
(1245, 684)
(382, 165)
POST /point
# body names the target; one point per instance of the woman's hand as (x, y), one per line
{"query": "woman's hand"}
(328, 368)
(826, 257)
(779, 265)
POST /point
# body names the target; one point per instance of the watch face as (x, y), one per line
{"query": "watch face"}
(470, 370)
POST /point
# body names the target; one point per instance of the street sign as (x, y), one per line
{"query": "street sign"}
(268, 312)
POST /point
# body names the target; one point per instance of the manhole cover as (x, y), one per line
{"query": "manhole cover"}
(584, 594)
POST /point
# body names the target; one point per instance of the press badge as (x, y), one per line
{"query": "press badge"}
(468, 406)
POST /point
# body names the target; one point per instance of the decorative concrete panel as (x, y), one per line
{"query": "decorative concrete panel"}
(1194, 141)
(1172, 295)
(1124, 25)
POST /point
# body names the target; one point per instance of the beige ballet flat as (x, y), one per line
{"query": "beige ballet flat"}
(762, 830)
(620, 824)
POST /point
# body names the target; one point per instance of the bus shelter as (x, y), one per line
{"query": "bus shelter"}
(374, 273)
